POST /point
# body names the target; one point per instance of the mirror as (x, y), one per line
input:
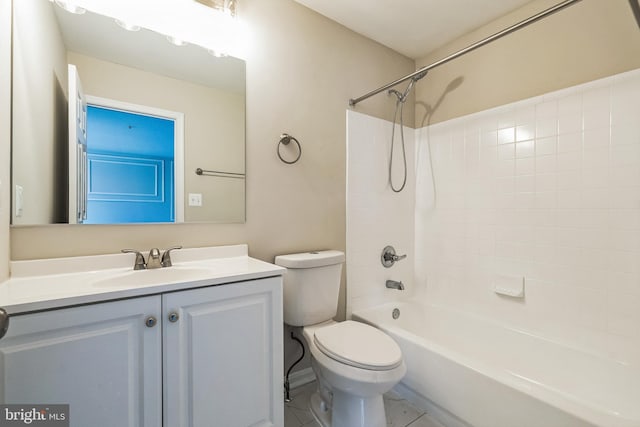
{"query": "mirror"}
(124, 72)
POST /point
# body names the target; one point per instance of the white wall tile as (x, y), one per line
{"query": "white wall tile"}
(525, 149)
(547, 109)
(569, 142)
(525, 132)
(547, 188)
(560, 205)
(570, 180)
(570, 104)
(547, 164)
(626, 133)
(570, 123)
(595, 178)
(525, 166)
(546, 145)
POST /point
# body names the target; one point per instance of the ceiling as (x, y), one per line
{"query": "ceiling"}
(413, 27)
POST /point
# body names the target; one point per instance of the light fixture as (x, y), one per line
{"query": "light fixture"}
(226, 6)
(176, 41)
(217, 53)
(127, 26)
(70, 7)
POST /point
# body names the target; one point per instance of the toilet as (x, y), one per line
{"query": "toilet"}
(354, 363)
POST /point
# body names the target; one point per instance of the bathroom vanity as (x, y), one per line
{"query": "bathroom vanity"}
(196, 344)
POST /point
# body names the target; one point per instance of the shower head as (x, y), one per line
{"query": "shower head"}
(397, 94)
(419, 76)
(402, 97)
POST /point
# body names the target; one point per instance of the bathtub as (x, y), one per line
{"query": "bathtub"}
(470, 371)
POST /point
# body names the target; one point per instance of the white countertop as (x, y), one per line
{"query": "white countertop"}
(54, 283)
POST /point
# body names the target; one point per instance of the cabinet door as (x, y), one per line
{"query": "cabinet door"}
(223, 355)
(101, 359)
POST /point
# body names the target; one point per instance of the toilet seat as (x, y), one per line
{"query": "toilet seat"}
(359, 345)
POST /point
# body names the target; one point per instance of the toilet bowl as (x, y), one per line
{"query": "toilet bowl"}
(354, 363)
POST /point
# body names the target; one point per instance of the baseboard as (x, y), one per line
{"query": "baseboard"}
(443, 416)
(301, 377)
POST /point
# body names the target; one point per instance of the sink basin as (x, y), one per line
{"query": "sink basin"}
(157, 276)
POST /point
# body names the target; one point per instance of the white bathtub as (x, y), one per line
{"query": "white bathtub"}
(471, 371)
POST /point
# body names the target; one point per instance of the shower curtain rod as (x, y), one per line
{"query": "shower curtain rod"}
(496, 36)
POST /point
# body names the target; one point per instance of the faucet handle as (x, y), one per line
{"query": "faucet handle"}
(139, 264)
(166, 256)
(389, 257)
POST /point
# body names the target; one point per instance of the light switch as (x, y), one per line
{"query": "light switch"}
(195, 199)
(19, 200)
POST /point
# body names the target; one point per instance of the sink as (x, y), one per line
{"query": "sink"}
(156, 276)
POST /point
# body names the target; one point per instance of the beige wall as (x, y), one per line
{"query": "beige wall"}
(214, 128)
(5, 134)
(587, 41)
(39, 111)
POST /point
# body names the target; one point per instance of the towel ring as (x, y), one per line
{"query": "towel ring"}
(285, 139)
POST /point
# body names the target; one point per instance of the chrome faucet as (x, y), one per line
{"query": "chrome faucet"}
(392, 284)
(153, 261)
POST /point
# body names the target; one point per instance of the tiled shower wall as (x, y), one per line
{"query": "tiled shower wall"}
(376, 216)
(547, 189)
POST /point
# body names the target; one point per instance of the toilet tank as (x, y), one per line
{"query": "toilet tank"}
(311, 286)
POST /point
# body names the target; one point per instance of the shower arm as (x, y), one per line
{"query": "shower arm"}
(493, 37)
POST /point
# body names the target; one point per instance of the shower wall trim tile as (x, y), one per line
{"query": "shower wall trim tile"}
(376, 216)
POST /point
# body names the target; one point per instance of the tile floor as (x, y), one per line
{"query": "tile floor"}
(400, 413)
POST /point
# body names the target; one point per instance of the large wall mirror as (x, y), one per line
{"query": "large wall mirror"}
(149, 111)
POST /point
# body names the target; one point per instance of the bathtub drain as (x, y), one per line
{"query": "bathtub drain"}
(396, 313)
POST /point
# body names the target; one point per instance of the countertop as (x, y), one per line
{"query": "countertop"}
(54, 283)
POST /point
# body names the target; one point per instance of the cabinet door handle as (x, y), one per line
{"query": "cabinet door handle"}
(173, 317)
(4, 322)
(150, 321)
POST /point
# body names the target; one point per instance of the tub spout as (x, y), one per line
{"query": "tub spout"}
(392, 284)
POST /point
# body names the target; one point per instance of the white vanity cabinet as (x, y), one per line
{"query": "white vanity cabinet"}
(223, 356)
(213, 357)
(101, 359)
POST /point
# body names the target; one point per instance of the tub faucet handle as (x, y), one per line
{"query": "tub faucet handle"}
(389, 257)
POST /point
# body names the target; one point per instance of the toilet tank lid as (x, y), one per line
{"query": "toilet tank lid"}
(310, 259)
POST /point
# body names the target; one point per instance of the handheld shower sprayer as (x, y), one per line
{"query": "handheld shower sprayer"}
(397, 94)
(402, 97)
